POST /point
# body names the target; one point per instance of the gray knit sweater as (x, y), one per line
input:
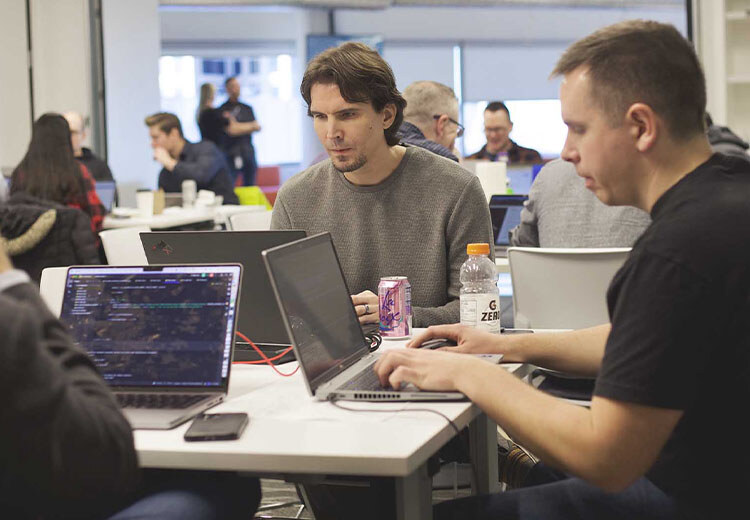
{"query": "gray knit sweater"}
(416, 224)
(561, 212)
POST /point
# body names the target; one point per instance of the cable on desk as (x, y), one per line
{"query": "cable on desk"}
(265, 359)
(374, 339)
(335, 402)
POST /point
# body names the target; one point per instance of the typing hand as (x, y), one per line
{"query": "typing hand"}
(468, 339)
(366, 306)
(427, 369)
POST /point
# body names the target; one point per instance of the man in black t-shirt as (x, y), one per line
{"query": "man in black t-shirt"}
(238, 145)
(664, 431)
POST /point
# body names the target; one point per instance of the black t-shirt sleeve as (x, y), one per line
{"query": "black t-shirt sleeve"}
(661, 333)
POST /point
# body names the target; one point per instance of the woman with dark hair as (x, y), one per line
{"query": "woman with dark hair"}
(49, 171)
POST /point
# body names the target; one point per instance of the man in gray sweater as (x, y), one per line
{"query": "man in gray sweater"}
(391, 209)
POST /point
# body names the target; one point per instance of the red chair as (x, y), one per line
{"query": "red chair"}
(268, 179)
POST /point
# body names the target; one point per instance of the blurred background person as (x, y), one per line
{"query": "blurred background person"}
(97, 167)
(211, 121)
(239, 146)
(497, 129)
(49, 170)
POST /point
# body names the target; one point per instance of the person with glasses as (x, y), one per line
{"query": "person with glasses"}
(431, 118)
(497, 129)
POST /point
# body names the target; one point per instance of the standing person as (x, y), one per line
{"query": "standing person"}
(497, 129)
(182, 160)
(239, 146)
(370, 193)
(49, 170)
(211, 121)
(633, 97)
(431, 118)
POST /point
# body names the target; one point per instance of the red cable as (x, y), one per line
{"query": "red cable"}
(265, 358)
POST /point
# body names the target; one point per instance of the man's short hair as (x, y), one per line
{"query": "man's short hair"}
(642, 61)
(425, 99)
(362, 76)
(226, 81)
(497, 106)
(165, 121)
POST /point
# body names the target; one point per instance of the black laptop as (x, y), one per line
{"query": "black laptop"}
(259, 318)
(505, 211)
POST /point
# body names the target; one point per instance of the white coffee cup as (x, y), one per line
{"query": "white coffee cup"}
(144, 200)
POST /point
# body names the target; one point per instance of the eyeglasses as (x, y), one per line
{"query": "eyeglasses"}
(460, 130)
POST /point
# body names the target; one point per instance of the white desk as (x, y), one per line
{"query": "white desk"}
(292, 436)
(175, 217)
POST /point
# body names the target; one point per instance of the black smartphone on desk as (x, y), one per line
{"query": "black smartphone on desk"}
(217, 427)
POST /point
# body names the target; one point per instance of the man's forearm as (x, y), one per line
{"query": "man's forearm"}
(577, 352)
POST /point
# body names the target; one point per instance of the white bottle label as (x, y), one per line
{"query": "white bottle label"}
(481, 311)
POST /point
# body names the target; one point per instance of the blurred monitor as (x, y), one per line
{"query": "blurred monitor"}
(106, 191)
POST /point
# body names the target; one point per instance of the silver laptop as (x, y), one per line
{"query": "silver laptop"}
(161, 336)
(505, 212)
(317, 310)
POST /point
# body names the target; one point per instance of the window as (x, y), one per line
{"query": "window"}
(266, 85)
(537, 124)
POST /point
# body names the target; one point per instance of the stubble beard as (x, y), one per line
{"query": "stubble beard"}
(358, 162)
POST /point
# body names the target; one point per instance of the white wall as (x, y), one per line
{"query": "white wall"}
(131, 75)
(15, 102)
(61, 56)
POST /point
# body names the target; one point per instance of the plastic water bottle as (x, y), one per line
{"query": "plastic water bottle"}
(480, 298)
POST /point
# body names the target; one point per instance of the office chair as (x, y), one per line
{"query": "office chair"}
(123, 246)
(52, 287)
(555, 288)
(251, 221)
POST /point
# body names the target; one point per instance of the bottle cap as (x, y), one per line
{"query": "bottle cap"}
(478, 249)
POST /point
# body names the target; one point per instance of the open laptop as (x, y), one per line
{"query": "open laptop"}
(107, 191)
(505, 212)
(161, 336)
(332, 351)
(258, 315)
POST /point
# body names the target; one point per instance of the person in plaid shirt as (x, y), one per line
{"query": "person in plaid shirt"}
(50, 171)
(497, 128)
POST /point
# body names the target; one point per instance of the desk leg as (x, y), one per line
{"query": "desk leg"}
(414, 496)
(483, 443)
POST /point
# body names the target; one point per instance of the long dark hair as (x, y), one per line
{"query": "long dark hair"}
(49, 170)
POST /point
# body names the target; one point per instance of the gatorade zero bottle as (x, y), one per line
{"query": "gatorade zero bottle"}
(480, 298)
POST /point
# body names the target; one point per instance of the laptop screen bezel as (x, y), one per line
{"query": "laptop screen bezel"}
(269, 257)
(505, 201)
(223, 387)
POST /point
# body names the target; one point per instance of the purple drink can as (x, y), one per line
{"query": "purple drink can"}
(394, 294)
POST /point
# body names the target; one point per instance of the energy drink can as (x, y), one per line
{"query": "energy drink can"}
(394, 294)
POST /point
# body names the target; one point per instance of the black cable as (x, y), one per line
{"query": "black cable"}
(374, 339)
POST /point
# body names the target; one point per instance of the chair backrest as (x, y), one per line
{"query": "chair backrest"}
(52, 287)
(251, 221)
(268, 176)
(123, 246)
(562, 288)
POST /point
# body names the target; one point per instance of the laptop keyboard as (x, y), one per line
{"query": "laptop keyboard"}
(365, 380)
(158, 401)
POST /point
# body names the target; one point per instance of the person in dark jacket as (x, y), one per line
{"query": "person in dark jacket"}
(66, 451)
(39, 233)
(725, 141)
(181, 160)
(49, 170)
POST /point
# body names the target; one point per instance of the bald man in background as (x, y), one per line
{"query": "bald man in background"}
(96, 166)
